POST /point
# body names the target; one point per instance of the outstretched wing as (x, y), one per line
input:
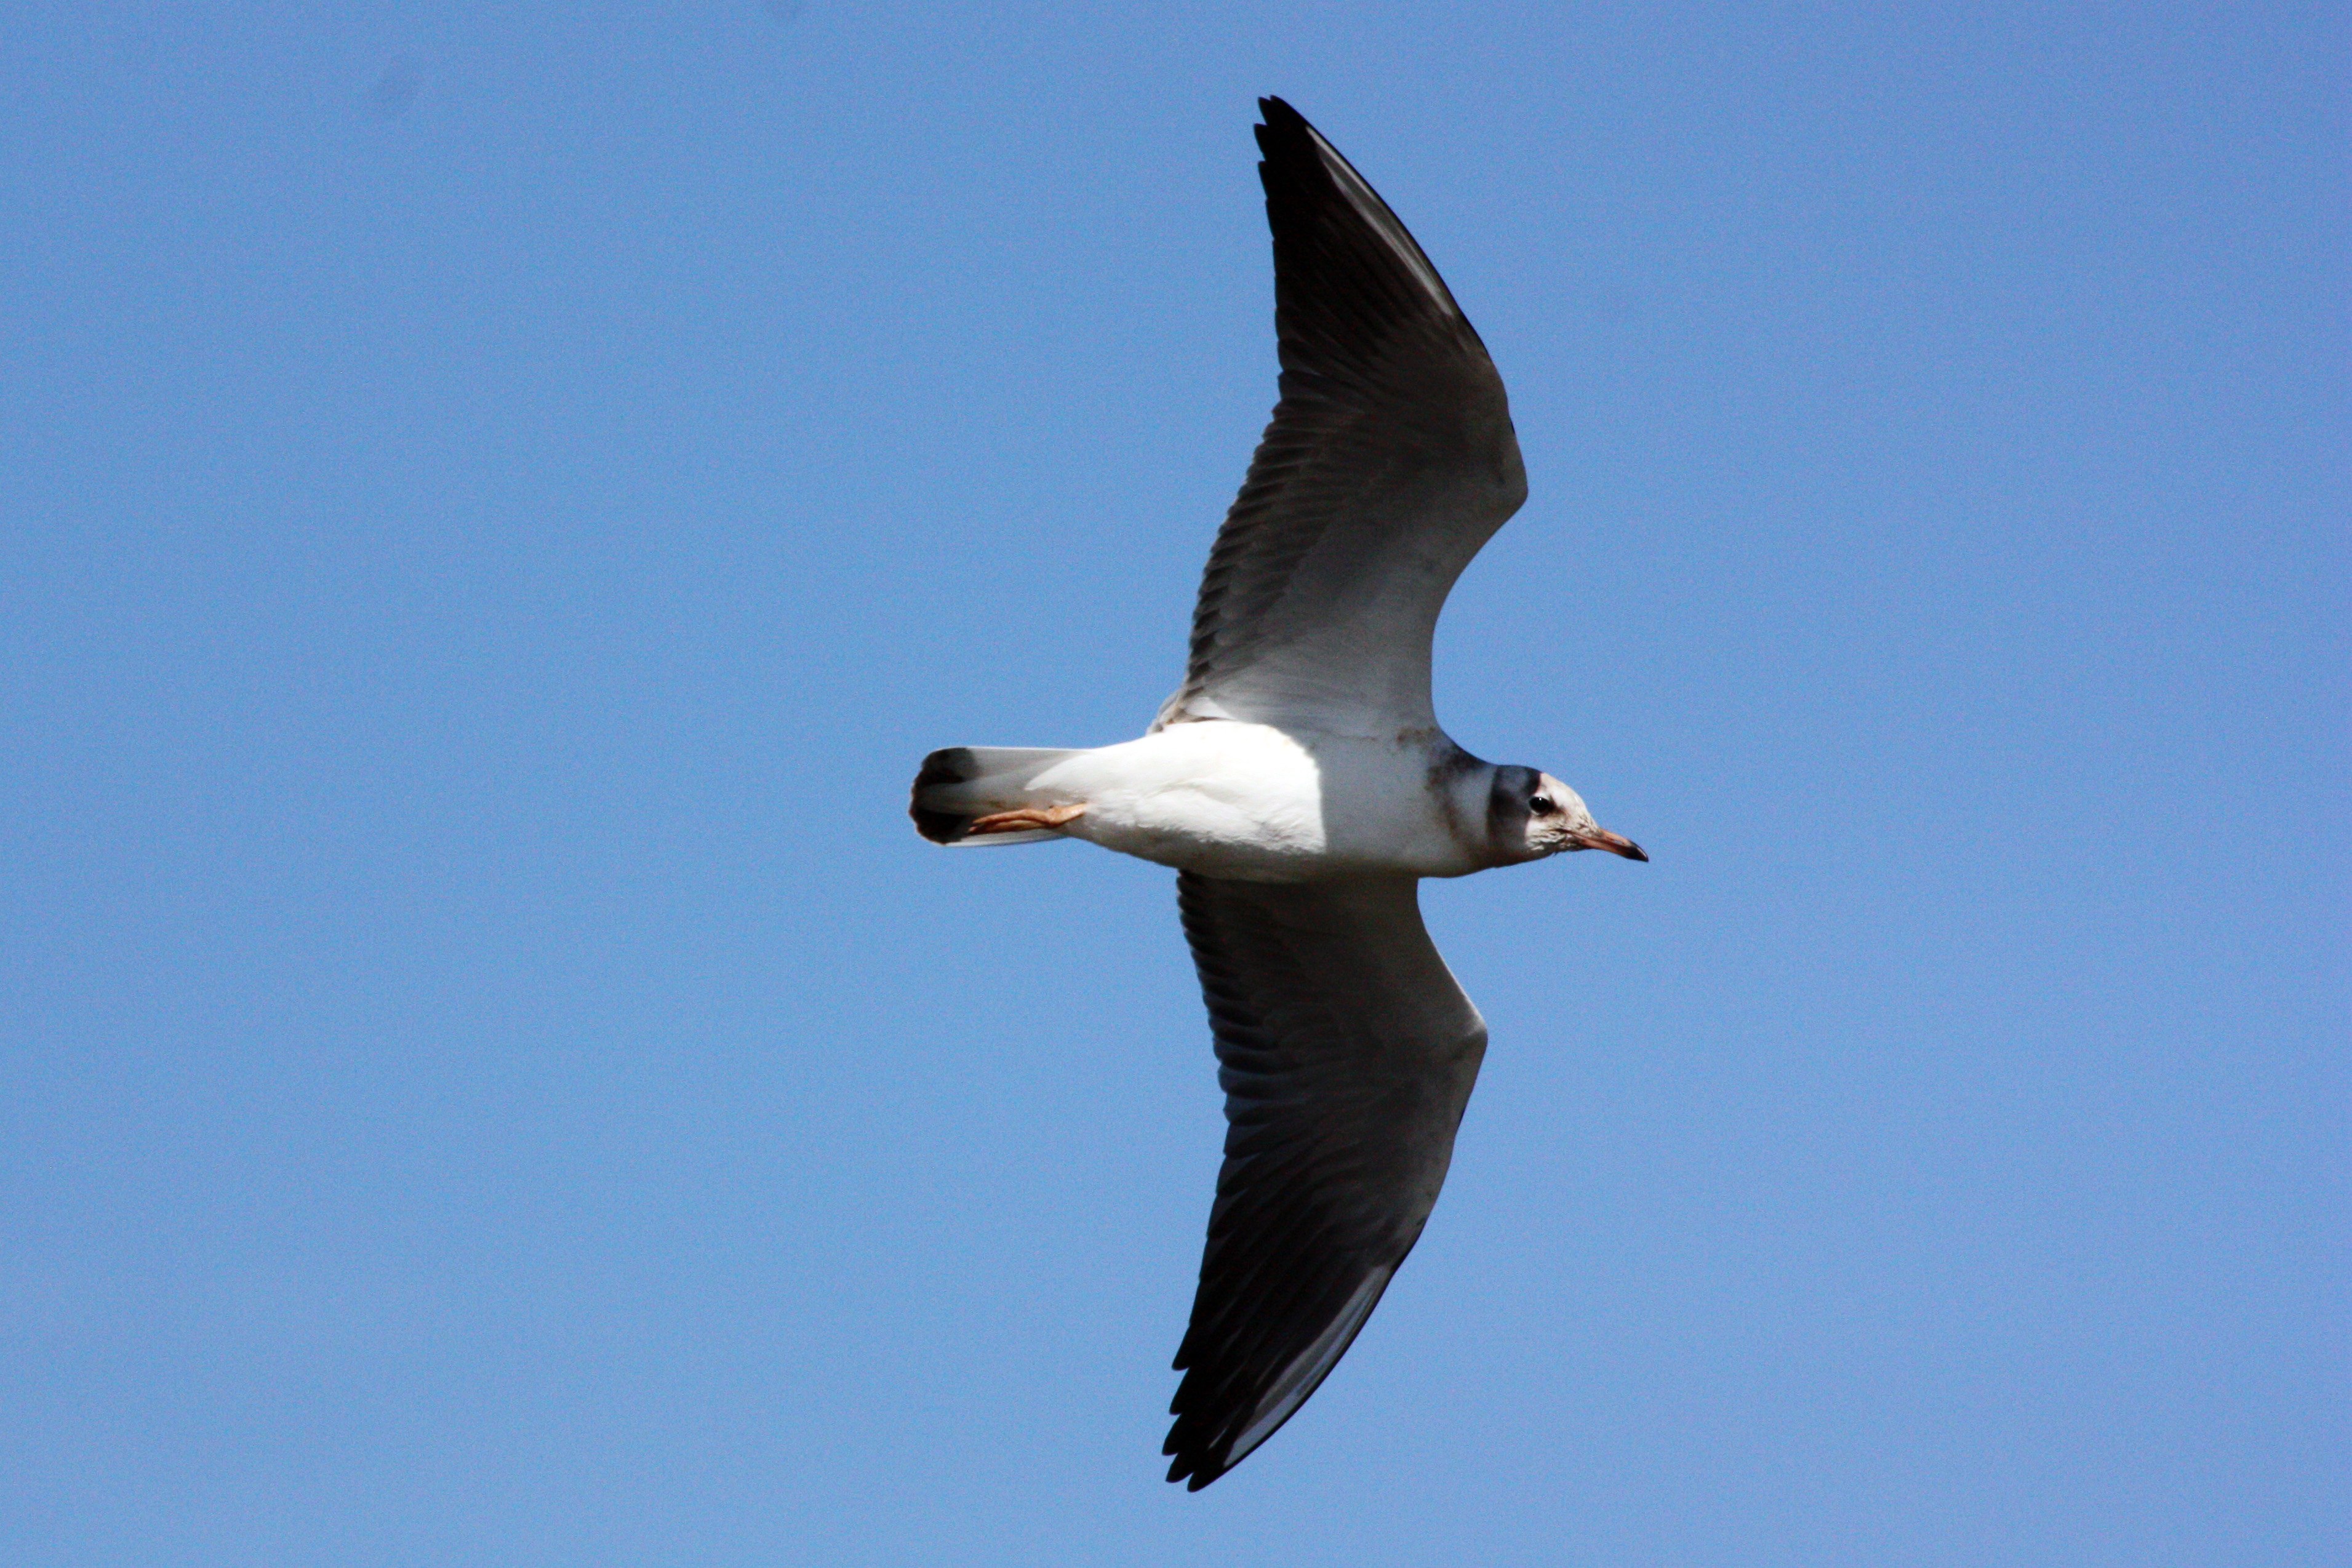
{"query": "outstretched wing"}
(1390, 461)
(1346, 1053)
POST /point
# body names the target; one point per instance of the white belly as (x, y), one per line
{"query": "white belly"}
(1253, 803)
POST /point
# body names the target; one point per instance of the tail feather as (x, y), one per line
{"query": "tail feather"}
(960, 783)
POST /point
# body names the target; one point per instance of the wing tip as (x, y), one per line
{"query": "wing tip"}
(1284, 133)
(1195, 1473)
(1302, 172)
(1197, 1460)
(1206, 1441)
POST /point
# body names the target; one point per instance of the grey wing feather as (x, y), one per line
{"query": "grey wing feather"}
(1346, 1053)
(1391, 459)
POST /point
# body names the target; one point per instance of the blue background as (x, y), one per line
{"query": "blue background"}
(496, 499)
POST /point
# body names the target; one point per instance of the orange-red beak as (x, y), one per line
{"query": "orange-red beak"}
(1601, 838)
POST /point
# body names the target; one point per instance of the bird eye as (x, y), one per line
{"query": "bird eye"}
(1541, 805)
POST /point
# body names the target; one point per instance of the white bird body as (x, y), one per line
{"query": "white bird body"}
(1259, 803)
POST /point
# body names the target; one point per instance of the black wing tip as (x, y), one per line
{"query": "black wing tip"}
(1283, 130)
(1320, 206)
(1285, 135)
(1193, 1480)
(1201, 1439)
(1196, 1463)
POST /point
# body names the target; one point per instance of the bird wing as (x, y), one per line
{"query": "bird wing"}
(1391, 459)
(1346, 1053)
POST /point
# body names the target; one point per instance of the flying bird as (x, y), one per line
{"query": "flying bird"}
(1300, 786)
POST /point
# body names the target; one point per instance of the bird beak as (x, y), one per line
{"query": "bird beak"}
(1601, 838)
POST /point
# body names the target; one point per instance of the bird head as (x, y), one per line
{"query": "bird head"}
(1531, 815)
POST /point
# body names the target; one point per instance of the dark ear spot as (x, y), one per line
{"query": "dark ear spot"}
(1507, 801)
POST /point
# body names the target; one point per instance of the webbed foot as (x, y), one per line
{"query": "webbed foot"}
(1027, 817)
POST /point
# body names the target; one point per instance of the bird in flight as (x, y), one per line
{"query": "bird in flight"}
(1299, 784)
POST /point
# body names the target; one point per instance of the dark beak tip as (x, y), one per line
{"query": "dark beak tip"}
(1615, 843)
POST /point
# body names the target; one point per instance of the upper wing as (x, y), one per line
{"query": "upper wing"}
(1391, 459)
(1346, 1053)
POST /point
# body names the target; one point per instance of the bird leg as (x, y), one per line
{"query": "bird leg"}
(1027, 817)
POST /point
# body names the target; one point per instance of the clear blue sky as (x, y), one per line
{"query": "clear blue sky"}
(496, 500)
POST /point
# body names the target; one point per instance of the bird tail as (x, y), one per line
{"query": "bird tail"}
(962, 782)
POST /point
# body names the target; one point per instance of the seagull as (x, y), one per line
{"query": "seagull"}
(1300, 786)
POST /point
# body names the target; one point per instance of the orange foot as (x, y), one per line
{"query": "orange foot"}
(1029, 817)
